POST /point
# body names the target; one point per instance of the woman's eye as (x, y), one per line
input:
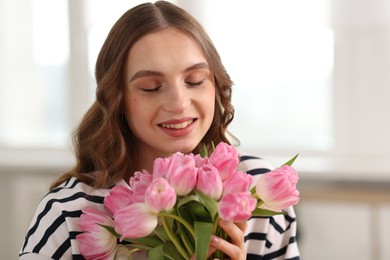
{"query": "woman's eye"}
(148, 90)
(194, 84)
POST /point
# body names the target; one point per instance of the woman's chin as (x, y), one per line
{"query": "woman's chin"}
(183, 148)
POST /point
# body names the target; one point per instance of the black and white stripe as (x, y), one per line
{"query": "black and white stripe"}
(54, 227)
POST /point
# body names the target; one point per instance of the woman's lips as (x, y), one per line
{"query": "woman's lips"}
(178, 128)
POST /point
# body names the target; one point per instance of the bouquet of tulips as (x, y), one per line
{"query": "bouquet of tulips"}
(173, 211)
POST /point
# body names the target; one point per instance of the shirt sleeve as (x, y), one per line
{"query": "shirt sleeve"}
(55, 225)
(48, 233)
(272, 237)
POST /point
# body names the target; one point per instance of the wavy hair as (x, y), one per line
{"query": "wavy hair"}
(104, 145)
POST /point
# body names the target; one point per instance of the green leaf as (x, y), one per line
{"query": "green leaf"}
(204, 152)
(210, 204)
(291, 161)
(191, 207)
(265, 212)
(184, 214)
(170, 252)
(161, 233)
(203, 231)
(150, 241)
(198, 212)
(212, 146)
(187, 199)
(156, 253)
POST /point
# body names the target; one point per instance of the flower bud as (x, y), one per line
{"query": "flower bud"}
(209, 181)
(237, 182)
(96, 242)
(160, 195)
(138, 183)
(277, 188)
(120, 196)
(135, 221)
(182, 173)
(225, 159)
(236, 207)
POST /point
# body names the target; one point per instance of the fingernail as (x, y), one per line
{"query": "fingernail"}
(214, 240)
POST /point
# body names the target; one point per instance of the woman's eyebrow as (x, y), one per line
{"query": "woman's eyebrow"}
(200, 65)
(149, 73)
(144, 73)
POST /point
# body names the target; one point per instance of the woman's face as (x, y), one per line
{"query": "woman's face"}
(169, 95)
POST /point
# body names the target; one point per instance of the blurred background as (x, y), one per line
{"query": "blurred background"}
(310, 77)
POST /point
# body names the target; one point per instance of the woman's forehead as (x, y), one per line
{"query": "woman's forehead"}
(166, 49)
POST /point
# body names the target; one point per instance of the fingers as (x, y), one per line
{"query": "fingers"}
(234, 252)
(236, 231)
(242, 226)
(209, 252)
(236, 248)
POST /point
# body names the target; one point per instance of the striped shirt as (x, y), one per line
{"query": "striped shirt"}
(54, 226)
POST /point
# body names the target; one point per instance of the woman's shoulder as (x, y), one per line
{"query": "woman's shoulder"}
(74, 186)
(73, 194)
(254, 164)
(56, 217)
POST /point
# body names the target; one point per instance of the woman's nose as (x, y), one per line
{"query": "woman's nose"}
(177, 99)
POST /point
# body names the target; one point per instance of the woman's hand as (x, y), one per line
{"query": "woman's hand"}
(235, 249)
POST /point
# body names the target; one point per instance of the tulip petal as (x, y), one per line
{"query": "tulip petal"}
(135, 221)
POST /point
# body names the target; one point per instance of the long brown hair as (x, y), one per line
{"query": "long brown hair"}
(103, 142)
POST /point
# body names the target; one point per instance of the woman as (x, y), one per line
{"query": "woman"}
(161, 88)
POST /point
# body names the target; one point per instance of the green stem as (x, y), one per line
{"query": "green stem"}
(215, 225)
(186, 243)
(219, 232)
(182, 221)
(173, 238)
(133, 250)
(168, 256)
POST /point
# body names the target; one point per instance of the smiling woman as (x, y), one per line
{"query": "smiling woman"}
(161, 89)
(309, 76)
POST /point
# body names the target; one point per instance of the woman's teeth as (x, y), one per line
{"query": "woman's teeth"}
(178, 126)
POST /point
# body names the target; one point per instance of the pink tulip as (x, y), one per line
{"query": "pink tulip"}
(237, 182)
(209, 181)
(182, 173)
(160, 195)
(135, 221)
(225, 159)
(236, 207)
(199, 160)
(278, 189)
(138, 183)
(120, 196)
(96, 242)
(160, 167)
